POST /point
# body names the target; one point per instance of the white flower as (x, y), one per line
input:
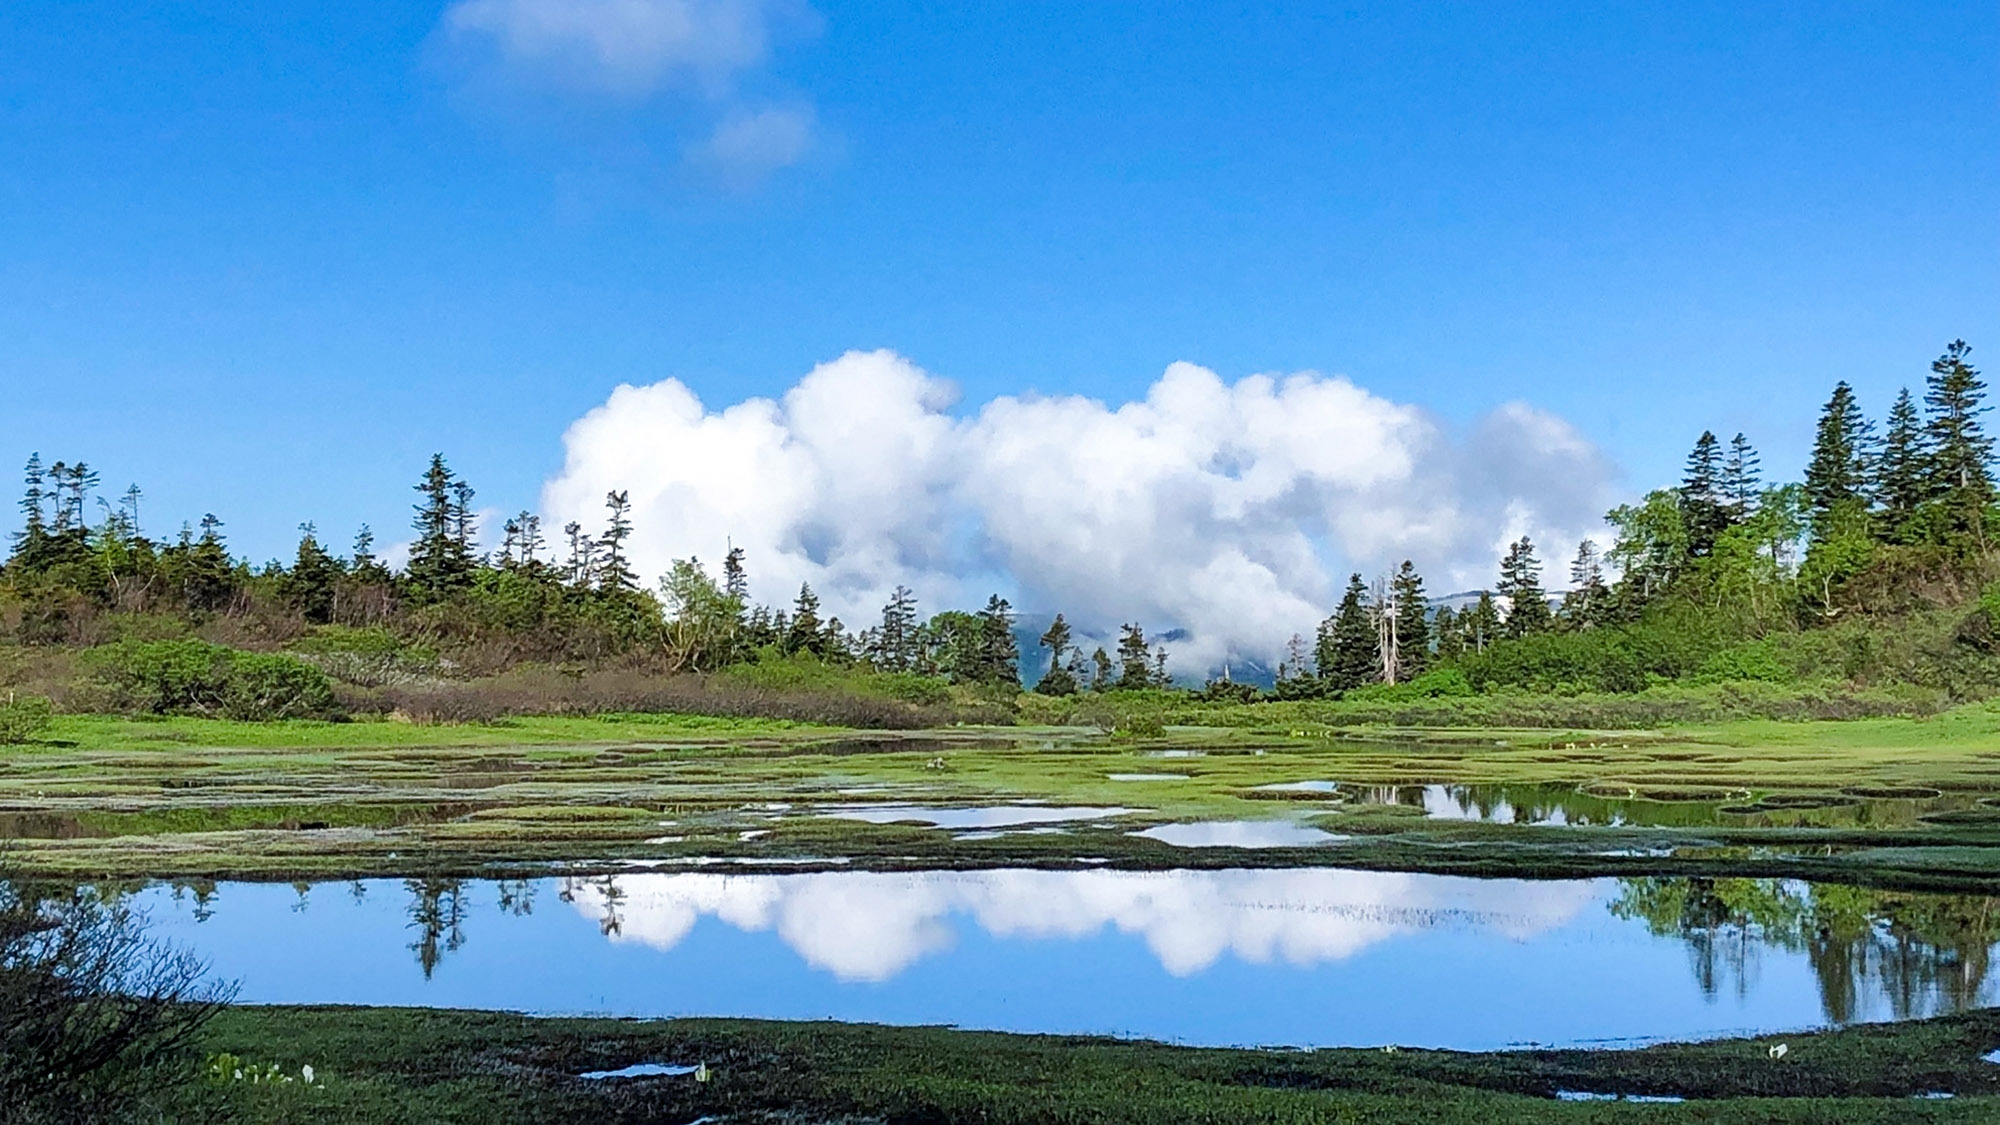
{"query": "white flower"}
(306, 1072)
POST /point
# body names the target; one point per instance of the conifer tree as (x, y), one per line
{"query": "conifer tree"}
(1160, 677)
(1521, 584)
(1060, 679)
(1702, 503)
(1961, 452)
(1589, 598)
(614, 571)
(1100, 670)
(735, 580)
(1412, 623)
(1349, 650)
(1135, 667)
(1450, 635)
(1902, 472)
(999, 654)
(310, 586)
(1480, 625)
(805, 632)
(34, 531)
(1740, 482)
(895, 648)
(441, 558)
(1838, 474)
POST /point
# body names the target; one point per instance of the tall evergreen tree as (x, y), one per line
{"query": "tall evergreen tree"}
(34, 524)
(1702, 502)
(735, 580)
(1100, 670)
(1480, 625)
(1450, 635)
(805, 633)
(614, 569)
(1838, 474)
(312, 584)
(1060, 679)
(1961, 452)
(895, 648)
(1902, 472)
(1412, 622)
(999, 655)
(441, 558)
(1349, 650)
(1521, 584)
(1741, 480)
(1135, 666)
(1589, 598)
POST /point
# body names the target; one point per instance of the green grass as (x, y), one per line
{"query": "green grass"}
(112, 732)
(397, 1065)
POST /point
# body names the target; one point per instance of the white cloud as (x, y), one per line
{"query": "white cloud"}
(747, 146)
(870, 927)
(635, 49)
(1229, 510)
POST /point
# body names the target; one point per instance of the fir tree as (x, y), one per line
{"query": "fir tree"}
(1961, 453)
(1902, 472)
(1450, 636)
(999, 655)
(441, 558)
(805, 633)
(1135, 667)
(735, 580)
(311, 585)
(1480, 625)
(1100, 670)
(1589, 598)
(1348, 653)
(1060, 679)
(614, 571)
(1702, 502)
(895, 641)
(1740, 482)
(1160, 677)
(1838, 474)
(1411, 625)
(1521, 584)
(34, 526)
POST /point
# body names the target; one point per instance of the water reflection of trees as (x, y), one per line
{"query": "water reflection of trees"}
(437, 913)
(1921, 953)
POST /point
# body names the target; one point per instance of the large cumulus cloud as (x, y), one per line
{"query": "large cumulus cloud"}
(1229, 511)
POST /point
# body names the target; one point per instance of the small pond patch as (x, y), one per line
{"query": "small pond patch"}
(1239, 834)
(1146, 777)
(638, 1070)
(989, 816)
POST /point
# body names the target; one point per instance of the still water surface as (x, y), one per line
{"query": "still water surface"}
(1317, 956)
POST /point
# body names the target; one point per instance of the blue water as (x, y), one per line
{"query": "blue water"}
(1318, 956)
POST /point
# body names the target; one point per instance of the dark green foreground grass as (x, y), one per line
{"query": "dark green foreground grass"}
(413, 1065)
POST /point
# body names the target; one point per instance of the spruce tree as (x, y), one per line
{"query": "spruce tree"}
(1702, 503)
(1480, 626)
(1961, 453)
(614, 570)
(805, 633)
(1450, 635)
(1589, 598)
(34, 525)
(999, 654)
(1412, 622)
(1135, 667)
(735, 580)
(441, 558)
(1740, 481)
(896, 638)
(1902, 472)
(311, 585)
(1161, 679)
(1521, 584)
(1838, 474)
(1350, 650)
(1059, 680)
(1100, 670)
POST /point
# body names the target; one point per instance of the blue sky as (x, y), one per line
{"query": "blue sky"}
(264, 259)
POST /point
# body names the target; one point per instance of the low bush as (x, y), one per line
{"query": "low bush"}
(198, 678)
(23, 717)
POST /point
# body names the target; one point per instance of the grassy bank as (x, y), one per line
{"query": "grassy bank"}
(1913, 802)
(384, 1065)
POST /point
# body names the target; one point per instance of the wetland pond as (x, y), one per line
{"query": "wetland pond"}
(1299, 956)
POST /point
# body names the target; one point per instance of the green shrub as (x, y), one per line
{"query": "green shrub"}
(1757, 661)
(22, 717)
(198, 678)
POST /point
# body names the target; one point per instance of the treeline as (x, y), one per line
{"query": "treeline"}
(1721, 576)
